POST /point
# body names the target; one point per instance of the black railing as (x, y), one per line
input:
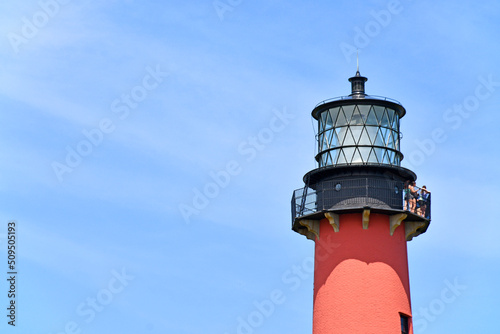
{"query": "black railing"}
(359, 192)
(376, 97)
(303, 202)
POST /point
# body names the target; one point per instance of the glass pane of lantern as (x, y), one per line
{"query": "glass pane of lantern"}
(372, 158)
(341, 120)
(334, 142)
(356, 158)
(324, 142)
(385, 120)
(334, 114)
(390, 115)
(328, 159)
(348, 110)
(323, 120)
(335, 156)
(395, 135)
(356, 117)
(384, 133)
(386, 159)
(349, 139)
(379, 112)
(372, 119)
(342, 160)
(365, 153)
(390, 139)
(395, 122)
(391, 155)
(349, 152)
(372, 133)
(341, 132)
(379, 152)
(328, 138)
(365, 138)
(364, 109)
(356, 132)
(379, 140)
(329, 122)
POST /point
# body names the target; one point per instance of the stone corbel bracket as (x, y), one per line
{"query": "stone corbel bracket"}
(366, 218)
(411, 229)
(396, 220)
(312, 226)
(333, 218)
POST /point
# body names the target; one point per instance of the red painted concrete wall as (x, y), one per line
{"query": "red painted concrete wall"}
(361, 286)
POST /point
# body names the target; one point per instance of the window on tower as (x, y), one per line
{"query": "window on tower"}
(405, 324)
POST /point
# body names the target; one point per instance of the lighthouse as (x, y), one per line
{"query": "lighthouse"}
(353, 203)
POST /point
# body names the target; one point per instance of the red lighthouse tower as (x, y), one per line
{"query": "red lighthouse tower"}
(354, 202)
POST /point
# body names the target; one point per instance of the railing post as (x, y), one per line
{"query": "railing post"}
(304, 197)
(366, 188)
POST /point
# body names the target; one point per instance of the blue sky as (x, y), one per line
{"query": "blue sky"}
(117, 113)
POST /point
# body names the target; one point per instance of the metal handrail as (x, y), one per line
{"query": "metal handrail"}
(377, 97)
(304, 202)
